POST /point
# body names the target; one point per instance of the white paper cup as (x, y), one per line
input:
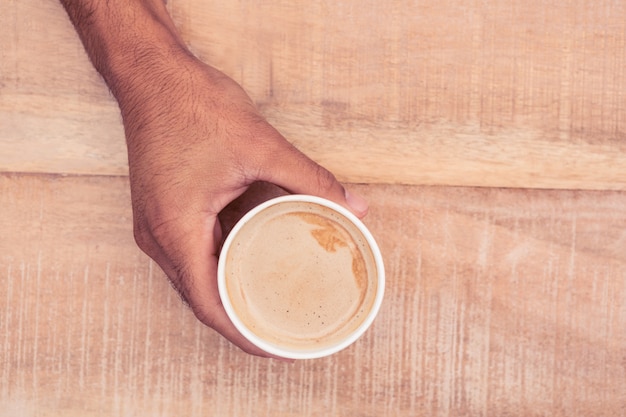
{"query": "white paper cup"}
(304, 350)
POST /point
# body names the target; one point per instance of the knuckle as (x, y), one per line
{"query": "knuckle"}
(152, 233)
(326, 180)
(203, 316)
(180, 282)
(141, 236)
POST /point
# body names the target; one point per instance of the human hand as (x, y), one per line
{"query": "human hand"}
(195, 143)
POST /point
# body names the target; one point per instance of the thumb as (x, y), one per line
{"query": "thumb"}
(292, 170)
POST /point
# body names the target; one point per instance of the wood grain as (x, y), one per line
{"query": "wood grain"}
(499, 302)
(509, 93)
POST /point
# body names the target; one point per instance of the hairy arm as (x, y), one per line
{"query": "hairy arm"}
(123, 37)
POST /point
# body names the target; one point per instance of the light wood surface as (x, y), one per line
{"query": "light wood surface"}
(500, 301)
(511, 93)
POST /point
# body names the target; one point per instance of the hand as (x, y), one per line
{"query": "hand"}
(195, 143)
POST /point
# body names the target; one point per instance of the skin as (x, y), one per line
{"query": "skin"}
(195, 141)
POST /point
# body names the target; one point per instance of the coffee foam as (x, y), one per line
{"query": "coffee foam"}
(301, 276)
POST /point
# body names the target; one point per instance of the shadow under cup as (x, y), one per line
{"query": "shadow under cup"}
(301, 277)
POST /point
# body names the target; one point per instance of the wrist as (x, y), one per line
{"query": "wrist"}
(126, 40)
(142, 62)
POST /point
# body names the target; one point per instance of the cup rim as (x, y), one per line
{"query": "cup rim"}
(299, 353)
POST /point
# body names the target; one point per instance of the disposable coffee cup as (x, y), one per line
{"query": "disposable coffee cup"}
(301, 277)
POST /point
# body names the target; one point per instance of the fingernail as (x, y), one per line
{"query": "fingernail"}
(357, 203)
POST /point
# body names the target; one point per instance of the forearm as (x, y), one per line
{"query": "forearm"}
(125, 39)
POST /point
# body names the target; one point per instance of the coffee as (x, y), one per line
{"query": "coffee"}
(300, 276)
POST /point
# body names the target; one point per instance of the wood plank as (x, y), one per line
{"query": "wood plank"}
(500, 302)
(508, 93)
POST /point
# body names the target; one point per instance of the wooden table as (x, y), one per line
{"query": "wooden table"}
(489, 138)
